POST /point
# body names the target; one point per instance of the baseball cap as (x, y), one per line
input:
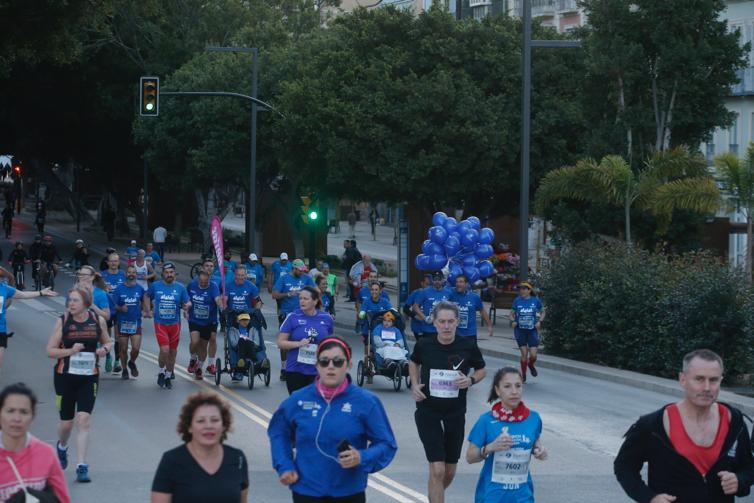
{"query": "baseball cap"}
(283, 256)
(243, 316)
(437, 274)
(133, 241)
(253, 257)
(299, 264)
(526, 284)
(168, 265)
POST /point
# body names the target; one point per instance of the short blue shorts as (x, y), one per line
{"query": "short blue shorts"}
(526, 337)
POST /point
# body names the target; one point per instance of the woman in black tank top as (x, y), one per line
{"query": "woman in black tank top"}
(73, 343)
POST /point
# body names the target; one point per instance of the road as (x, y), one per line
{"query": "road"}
(134, 421)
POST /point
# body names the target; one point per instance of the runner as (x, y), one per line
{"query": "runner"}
(209, 267)
(526, 317)
(89, 279)
(144, 272)
(230, 267)
(114, 277)
(240, 296)
(505, 438)
(131, 251)
(168, 297)
(254, 270)
(152, 257)
(329, 436)
(425, 302)
(74, 344)
(375, 303)
(698, 450)
(285, 291)
(299, 335)
(279, 268)
(408, 306)
(129, 300)
(333, 287)
(363, 294)
(328, 300)
(7, 293)
(202, 319)
(439, 370)
(468, 303)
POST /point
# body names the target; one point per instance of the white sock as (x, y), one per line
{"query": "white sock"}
(200, 364)
(162, 370)
(194, 357)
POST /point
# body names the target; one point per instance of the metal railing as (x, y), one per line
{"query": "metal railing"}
(746, 84)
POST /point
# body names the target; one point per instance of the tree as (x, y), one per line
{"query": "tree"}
(668, 67)
(669, 180)
(737, 176)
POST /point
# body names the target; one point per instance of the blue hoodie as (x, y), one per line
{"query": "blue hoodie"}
(355, 415)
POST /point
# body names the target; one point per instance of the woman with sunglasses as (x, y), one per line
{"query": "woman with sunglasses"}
(339, 431)
(299, 334)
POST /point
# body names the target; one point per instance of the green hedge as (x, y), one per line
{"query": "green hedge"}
(627, 308)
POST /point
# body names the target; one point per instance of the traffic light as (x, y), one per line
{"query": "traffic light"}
(309, 211)
(149, 96)
(17, 170)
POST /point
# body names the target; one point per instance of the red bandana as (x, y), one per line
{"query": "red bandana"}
(520, 413)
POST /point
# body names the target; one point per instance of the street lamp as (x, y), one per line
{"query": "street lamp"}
(251, 201)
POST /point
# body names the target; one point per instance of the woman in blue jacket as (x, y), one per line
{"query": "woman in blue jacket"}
(340, 433)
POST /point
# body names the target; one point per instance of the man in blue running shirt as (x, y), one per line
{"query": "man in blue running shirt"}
(129, 300)
(468, 303)
(426, 300)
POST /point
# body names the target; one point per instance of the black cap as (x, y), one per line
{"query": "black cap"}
(168, 265)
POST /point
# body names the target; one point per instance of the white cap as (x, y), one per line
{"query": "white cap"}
(283, 256)
(133, 241)
(253, 257)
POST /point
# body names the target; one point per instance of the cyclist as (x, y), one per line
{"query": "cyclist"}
(285, 291)
(129, 298)
(202, 319)
(48, 256)
(80, 254)
(527, 315)
(114, 277)
(168, 297)
(329, 436)
(7, 220)
(299, 335)
(74, 344)
(509, 432)
(425, 302)
(144, 271)
(468, 303)
(254, 270)
(35, 252)
(18, 260)
(240, 296)
(439, 368)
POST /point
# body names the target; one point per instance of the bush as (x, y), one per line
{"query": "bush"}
(627, 308)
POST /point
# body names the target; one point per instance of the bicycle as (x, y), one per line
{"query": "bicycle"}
(199, 265)
(46, 276)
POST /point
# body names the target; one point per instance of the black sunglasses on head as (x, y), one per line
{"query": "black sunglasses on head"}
(325, 362)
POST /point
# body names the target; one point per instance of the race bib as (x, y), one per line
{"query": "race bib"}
(307, 354)
(128, 327)
(393, 353)
(82, 363)
(463, 317)
(442, 383)
(526, 322)
(387, 335)
(167, 310)
(511, 466)
(201, 312)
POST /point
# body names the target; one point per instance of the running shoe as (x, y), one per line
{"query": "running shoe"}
(168, 383)
(211, 369)
(282, 375)
(198, 375)
(192, 366)
(172, 375)
(108, 363)
(533, 370)
(124, 375)
(132, 367)
(82, 473)
(241, 363)
(161, 380)
(117, 369)
(62, 456)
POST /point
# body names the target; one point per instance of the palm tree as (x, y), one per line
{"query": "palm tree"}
(668, 180)
(737, 176)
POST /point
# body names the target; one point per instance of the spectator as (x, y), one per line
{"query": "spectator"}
(108, 222)
(359, 275)
(159, 236)
(352, 224)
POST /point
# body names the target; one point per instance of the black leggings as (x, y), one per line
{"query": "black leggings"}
(354, 498)
(297, 380)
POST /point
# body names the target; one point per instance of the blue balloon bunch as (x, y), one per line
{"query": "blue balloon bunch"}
(463, 247)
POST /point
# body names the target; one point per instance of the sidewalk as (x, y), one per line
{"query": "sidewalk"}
(502, 344)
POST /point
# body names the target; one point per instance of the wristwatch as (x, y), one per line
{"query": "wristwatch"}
(473, 381)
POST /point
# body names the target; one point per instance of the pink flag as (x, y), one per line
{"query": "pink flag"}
(216, 232)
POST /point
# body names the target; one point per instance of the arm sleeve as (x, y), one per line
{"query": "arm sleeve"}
(628, 464)
(744, 464)
(280, 431)
(164, 481)
(382, 445)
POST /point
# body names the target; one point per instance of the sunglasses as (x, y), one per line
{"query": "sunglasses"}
(325, 362)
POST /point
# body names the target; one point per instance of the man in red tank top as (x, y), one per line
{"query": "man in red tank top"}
(698, 449)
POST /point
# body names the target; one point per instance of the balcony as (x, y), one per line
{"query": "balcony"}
(566, 7)
(539, 8)
(746, 85)
(479, 3)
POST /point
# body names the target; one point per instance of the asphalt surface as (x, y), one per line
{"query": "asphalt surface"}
(134, 421)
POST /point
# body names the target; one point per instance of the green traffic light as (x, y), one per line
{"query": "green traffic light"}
(313, 215)
(150, 106)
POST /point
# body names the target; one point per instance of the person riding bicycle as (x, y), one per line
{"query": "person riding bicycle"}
(17, 260)
(7, 219)
(49, 254)
(80, 255)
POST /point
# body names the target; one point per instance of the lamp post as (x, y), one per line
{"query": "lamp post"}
(527, 45)
(251, 201)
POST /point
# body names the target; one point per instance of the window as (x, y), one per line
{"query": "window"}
(733, 136)
(710, 153)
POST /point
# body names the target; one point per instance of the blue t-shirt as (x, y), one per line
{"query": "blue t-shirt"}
(241, 297)
(416, 325)
(132, 250)
(512, 467)
(527, 311)
(255, 273)
(131, 296)
(6, 292)
(468, 304)
(366, 293)
(290, 283)
(101, 299)
(168, 300)
(299, 326)
(153, 257)
(203, 309)
(427, 299)
(370, 306)
(113, 280)
(278, 269)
